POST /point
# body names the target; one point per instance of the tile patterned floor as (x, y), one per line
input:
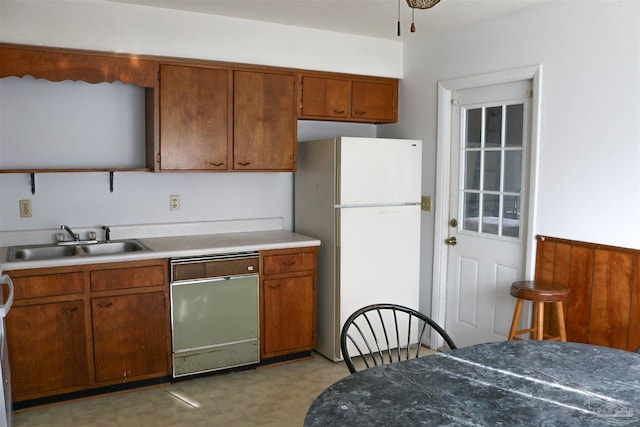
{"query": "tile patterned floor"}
(270, 396)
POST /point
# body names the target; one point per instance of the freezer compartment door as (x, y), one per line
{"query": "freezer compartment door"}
(379, 257)
(374, 171)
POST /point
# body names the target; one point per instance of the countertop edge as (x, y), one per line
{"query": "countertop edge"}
(178, 247)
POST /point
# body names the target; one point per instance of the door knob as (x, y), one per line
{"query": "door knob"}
(452, 241)
(453, 222)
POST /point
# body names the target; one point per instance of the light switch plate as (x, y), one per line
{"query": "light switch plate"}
(426, 203)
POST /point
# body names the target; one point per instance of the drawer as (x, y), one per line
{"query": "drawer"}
(287, 263)
(218, 268)
(134, 277)
(48, 285)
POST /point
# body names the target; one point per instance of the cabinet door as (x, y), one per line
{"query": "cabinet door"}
(374, 101)
(47, 348)
(130, 336)
(194, 118)
(289, 315)
(264, 129)
(324, 97)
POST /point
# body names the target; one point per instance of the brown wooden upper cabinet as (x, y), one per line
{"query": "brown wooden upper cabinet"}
(195, 118)
(264, 121)
(220, 119)
(324, 97)
(367, 100)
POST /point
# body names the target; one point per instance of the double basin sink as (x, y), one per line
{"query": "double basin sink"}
(73, 249)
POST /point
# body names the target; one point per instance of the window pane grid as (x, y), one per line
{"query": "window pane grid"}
(492, 167)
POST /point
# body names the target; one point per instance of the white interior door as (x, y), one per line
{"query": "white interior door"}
(490, 136)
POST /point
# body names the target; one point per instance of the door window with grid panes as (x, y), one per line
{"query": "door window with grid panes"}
(491, 160)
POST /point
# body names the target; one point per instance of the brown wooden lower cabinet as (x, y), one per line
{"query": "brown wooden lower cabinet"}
(129, 336)
(64, 337)
(289, 294)
(47, 348)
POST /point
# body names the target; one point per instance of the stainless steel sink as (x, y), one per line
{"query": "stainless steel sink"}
(115, 247)
(53, 251)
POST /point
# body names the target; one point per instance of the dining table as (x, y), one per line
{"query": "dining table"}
(507, 383)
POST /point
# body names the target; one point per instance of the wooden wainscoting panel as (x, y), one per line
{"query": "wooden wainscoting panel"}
(634, 314)
(604, 303)
(580, 280)
(611, 298)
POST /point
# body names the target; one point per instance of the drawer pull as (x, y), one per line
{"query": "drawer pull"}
(216, 164)
(70, 310)
(274, 286)
(338, 111)
(289, 263)
(360, 113)
(105, 305)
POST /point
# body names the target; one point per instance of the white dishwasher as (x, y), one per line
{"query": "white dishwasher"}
(214, 312)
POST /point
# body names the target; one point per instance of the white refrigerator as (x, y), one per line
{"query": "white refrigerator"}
(361, 198)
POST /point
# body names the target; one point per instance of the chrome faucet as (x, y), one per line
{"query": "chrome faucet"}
(107, 232)
(66, 228)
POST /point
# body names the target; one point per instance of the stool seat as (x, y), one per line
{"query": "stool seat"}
(535, 290)
(539, 292)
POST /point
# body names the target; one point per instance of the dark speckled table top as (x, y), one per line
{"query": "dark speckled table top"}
(510, 383)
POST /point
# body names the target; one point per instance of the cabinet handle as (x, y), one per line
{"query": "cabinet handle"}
(338, 111)
(274, 286)
(70, 310)
(216, 164)
(359, 113)
(244, 163)
(289, 263)
(105, 305)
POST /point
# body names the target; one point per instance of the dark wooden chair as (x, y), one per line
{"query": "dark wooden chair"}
(386, 333)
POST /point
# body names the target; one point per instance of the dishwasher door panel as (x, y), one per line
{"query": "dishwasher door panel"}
(214, 324)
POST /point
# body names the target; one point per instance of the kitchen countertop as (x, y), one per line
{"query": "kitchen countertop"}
(180, 246)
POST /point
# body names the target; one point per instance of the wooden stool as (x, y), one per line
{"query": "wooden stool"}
(539, 293)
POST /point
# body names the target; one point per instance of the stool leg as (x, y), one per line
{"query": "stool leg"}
(516, 319)
(561, 326)
(539, 321)
(534, 321)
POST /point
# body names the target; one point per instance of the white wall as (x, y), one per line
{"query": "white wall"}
(83, 199)
(589, 177)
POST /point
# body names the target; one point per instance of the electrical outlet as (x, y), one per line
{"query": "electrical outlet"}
(174, 203)
(25, 208)
(426, 203)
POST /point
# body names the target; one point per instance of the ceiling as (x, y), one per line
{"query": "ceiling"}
(373, 18)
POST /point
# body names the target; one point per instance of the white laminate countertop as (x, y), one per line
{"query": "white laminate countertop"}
(179, 246)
